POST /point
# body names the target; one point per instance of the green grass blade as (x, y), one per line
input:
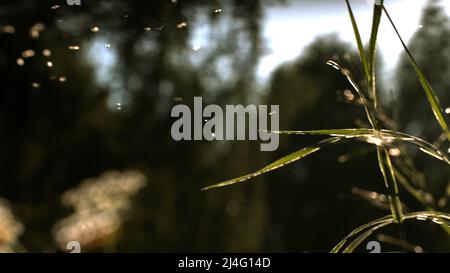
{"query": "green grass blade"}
(279, 163)
(378, 138)
(363, 232)
(377, 12)
(431, 95)
(354, 132)
(361, 238)
(390, 180)
(384, 220)
(423, 145)
(362, 53)
(369, 112)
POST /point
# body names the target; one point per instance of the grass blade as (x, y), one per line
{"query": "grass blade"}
(369, 113)
(279, 163)
(377, 12)
(431, 95)
(378, 138)
(361, 238)
(354, 132)
(384, 220)
(362, 53)
(363, 232)
(388, 172)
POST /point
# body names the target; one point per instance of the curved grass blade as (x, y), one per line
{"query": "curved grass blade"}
(378, 138)
(363, 232)
(369, 113)
(423, 145)
(431, 95)
(361, 238)
(363, 228)
(279, 163)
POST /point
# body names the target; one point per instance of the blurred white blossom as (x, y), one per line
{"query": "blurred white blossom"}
(99, 205)
(10, 228)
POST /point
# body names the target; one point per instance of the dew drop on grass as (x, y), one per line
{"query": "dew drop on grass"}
(182, 25)
(217, 10)
(108, 45)
(35, 85)
(422, 217)
(49, 64)
(62, 79)
(333, 64)
(20, 62)
(74, 47)
(375, 140)
(55, 7)
(95, 29)
(394, 152)
(447, 110)
(118, 106)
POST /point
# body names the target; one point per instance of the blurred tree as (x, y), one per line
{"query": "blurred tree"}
(60, 132)
(430, 46)
(103, 103)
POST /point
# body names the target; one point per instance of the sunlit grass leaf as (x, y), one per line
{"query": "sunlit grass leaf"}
(353, 132)
(388, 172)
(362, 53)
(279, 163)
(377, 137)
(431, 95)
(361, 229)
(369, 112)
(361, 238)
(377, 12)
(363, 232)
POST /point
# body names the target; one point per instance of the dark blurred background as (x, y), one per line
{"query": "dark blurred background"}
(86, 152)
